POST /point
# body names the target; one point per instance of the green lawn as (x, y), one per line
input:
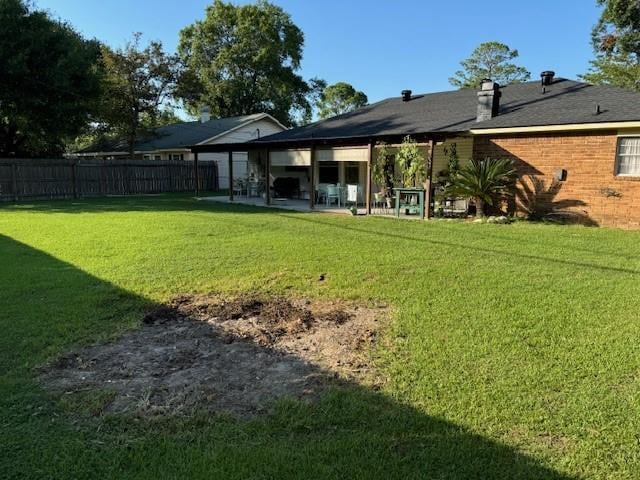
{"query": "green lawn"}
(513, 351)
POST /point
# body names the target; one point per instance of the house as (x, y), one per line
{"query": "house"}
(172, 142)
(582, 137)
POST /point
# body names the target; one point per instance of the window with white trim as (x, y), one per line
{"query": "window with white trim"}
(628, 158)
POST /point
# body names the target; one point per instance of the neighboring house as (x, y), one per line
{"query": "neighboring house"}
(172, 142)
(585, 137)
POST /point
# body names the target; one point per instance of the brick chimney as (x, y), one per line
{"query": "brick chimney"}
(488, 100)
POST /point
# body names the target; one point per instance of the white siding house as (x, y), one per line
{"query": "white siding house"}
(172, 142)
(245, 133)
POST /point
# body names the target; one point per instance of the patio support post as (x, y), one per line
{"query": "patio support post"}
(231, 175)
(312, 178)
(267, 177)
(427, 199)
(196, 173)
(367, 187)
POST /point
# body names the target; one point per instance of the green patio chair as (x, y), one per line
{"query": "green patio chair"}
(333, 193)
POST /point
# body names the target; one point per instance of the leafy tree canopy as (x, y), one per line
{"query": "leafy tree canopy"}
(137, 84)
(616, 43)
(243, 59)
(340, 98)
(490, 60)
(49, 82)
(618, 29)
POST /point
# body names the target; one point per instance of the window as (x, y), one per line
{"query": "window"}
(628, 161)
(352, 173)
(157, 157)
(176, 156)
(146, 157)
(328, 172)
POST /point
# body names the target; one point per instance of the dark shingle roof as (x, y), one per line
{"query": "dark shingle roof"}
(177, 135)
(523, 104)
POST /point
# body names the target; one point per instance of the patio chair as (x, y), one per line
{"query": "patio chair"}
(321, 192)
(333, 193)
(455, 206)
(238, 186)
(379, 202)
(253, 189)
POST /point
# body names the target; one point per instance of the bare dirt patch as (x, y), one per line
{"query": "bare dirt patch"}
(233, 355)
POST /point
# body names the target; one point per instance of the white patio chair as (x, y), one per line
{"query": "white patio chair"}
(379, 202)
(238, 187)
(253, 188)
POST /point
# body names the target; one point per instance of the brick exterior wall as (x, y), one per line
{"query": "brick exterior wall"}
(591, 190)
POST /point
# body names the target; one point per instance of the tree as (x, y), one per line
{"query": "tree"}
(340, 98)
(137, 84)
(484, 181)
(490, 60)
(619, 70)
(618, 29)
(166, 116)
(616, 43)
(243, 59)
(49, 82)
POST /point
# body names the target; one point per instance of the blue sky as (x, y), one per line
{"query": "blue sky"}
(379, 46)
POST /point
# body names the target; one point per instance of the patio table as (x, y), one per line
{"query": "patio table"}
(411, 200)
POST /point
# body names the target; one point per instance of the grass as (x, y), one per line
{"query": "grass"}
(512, 352)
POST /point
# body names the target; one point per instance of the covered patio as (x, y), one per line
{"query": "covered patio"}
(283, 204)
(330, 175)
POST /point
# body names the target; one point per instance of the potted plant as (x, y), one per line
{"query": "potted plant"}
(411, 162)
(382, 173)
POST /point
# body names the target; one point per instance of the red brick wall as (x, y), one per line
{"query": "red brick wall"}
(589, 159)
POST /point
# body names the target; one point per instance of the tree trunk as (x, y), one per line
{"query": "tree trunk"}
(479, 207)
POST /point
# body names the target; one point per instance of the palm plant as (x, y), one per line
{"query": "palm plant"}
(484, 181)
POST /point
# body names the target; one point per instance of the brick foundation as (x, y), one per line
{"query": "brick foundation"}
(588, 158)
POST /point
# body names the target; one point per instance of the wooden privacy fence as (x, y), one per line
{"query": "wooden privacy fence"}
(28, 179)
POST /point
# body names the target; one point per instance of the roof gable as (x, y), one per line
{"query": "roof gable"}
(179, 135)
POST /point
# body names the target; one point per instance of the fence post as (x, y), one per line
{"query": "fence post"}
(74, 178)
(14, 180)
(196, 173)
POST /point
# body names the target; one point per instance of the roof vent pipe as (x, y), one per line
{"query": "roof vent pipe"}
(205, 114)
(406, 95)
(547, 77)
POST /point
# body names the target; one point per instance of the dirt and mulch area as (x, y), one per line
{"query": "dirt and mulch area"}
(232, 355)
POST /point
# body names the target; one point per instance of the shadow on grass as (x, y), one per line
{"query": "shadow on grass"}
(185, 203)
(143, 203)
(351, 432)
(124, 203)
(386, 235)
